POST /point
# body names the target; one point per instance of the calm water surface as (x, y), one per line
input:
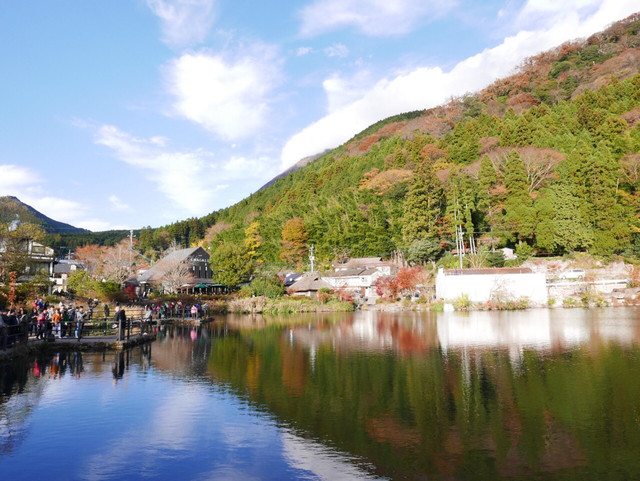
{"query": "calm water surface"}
(551, 395)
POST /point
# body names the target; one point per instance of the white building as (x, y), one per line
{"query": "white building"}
(41, 260)
(482, 285)
(61, 272)
(359, 275)
(358, 281)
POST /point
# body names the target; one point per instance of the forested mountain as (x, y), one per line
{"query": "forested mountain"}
(11, 208)
(546, 160)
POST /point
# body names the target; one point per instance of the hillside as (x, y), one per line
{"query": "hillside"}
(546, 160)
(12, 208)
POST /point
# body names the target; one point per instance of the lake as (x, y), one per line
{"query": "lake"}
(539, 394)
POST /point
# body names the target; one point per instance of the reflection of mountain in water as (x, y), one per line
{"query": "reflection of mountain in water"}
(481, 396)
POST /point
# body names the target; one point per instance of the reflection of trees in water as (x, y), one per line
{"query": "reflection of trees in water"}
(184, 349)
(465, 414)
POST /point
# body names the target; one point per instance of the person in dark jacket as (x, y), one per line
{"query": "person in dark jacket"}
(120, 320)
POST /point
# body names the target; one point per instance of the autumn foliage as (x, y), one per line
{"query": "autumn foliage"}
(294, 241)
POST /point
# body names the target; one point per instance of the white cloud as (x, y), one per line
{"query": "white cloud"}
(427, 87)
(341, 91)
(371, 17)
(190, 179)
(227, 96)
(302, 51)
(184, 22)
(336, 50)
(15, 177)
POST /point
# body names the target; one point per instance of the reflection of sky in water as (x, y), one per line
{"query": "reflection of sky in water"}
(170, 420)
(151, 426)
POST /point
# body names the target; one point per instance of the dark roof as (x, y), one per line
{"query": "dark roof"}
(157, 271)
(488, 271)
(63, 266)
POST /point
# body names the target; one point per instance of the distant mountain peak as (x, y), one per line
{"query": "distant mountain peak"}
(12, 209)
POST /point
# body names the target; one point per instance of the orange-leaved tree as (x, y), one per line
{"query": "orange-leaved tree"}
(294, 241)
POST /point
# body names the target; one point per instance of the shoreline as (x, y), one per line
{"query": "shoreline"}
(87, 344)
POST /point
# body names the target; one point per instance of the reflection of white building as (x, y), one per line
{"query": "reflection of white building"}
(488, 329)
(482, 285)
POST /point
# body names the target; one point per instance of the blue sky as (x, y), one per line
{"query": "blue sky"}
(128, 113)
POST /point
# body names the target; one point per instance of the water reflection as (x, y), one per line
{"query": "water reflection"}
(521, 395)
(471, 396)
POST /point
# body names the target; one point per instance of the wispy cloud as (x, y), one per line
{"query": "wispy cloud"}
(28, 186)
(371, 17)
(117, 204)
(184, 22)
(426, 87)
(192, 180)
(227, 95)
(302, 51)
(337, 50)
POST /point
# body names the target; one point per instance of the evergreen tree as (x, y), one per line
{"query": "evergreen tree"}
(422, 206)
(519, 217)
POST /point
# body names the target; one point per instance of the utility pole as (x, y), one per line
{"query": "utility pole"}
(311, 256)
(460, 244)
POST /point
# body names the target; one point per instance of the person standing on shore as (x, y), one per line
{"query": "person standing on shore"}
(120, 320)
(56, 320)
(80, 315)
(65, 322)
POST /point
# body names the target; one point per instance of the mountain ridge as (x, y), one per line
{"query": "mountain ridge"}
(12, 207)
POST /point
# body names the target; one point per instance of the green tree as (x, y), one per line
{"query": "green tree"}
(562, 228)
(422, 206)
(267, 285)
(231, 265)
(14, 247)
(520, 215)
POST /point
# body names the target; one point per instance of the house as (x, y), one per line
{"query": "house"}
(179, 270)
(307, 285)
(62, 269)
(482, 285)
(385, 267)
(359, 275)
(40, 261)
(359, 282)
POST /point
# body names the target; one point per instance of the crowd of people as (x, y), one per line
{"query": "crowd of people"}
(166, 310)
(43, 320)
(46, 321)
